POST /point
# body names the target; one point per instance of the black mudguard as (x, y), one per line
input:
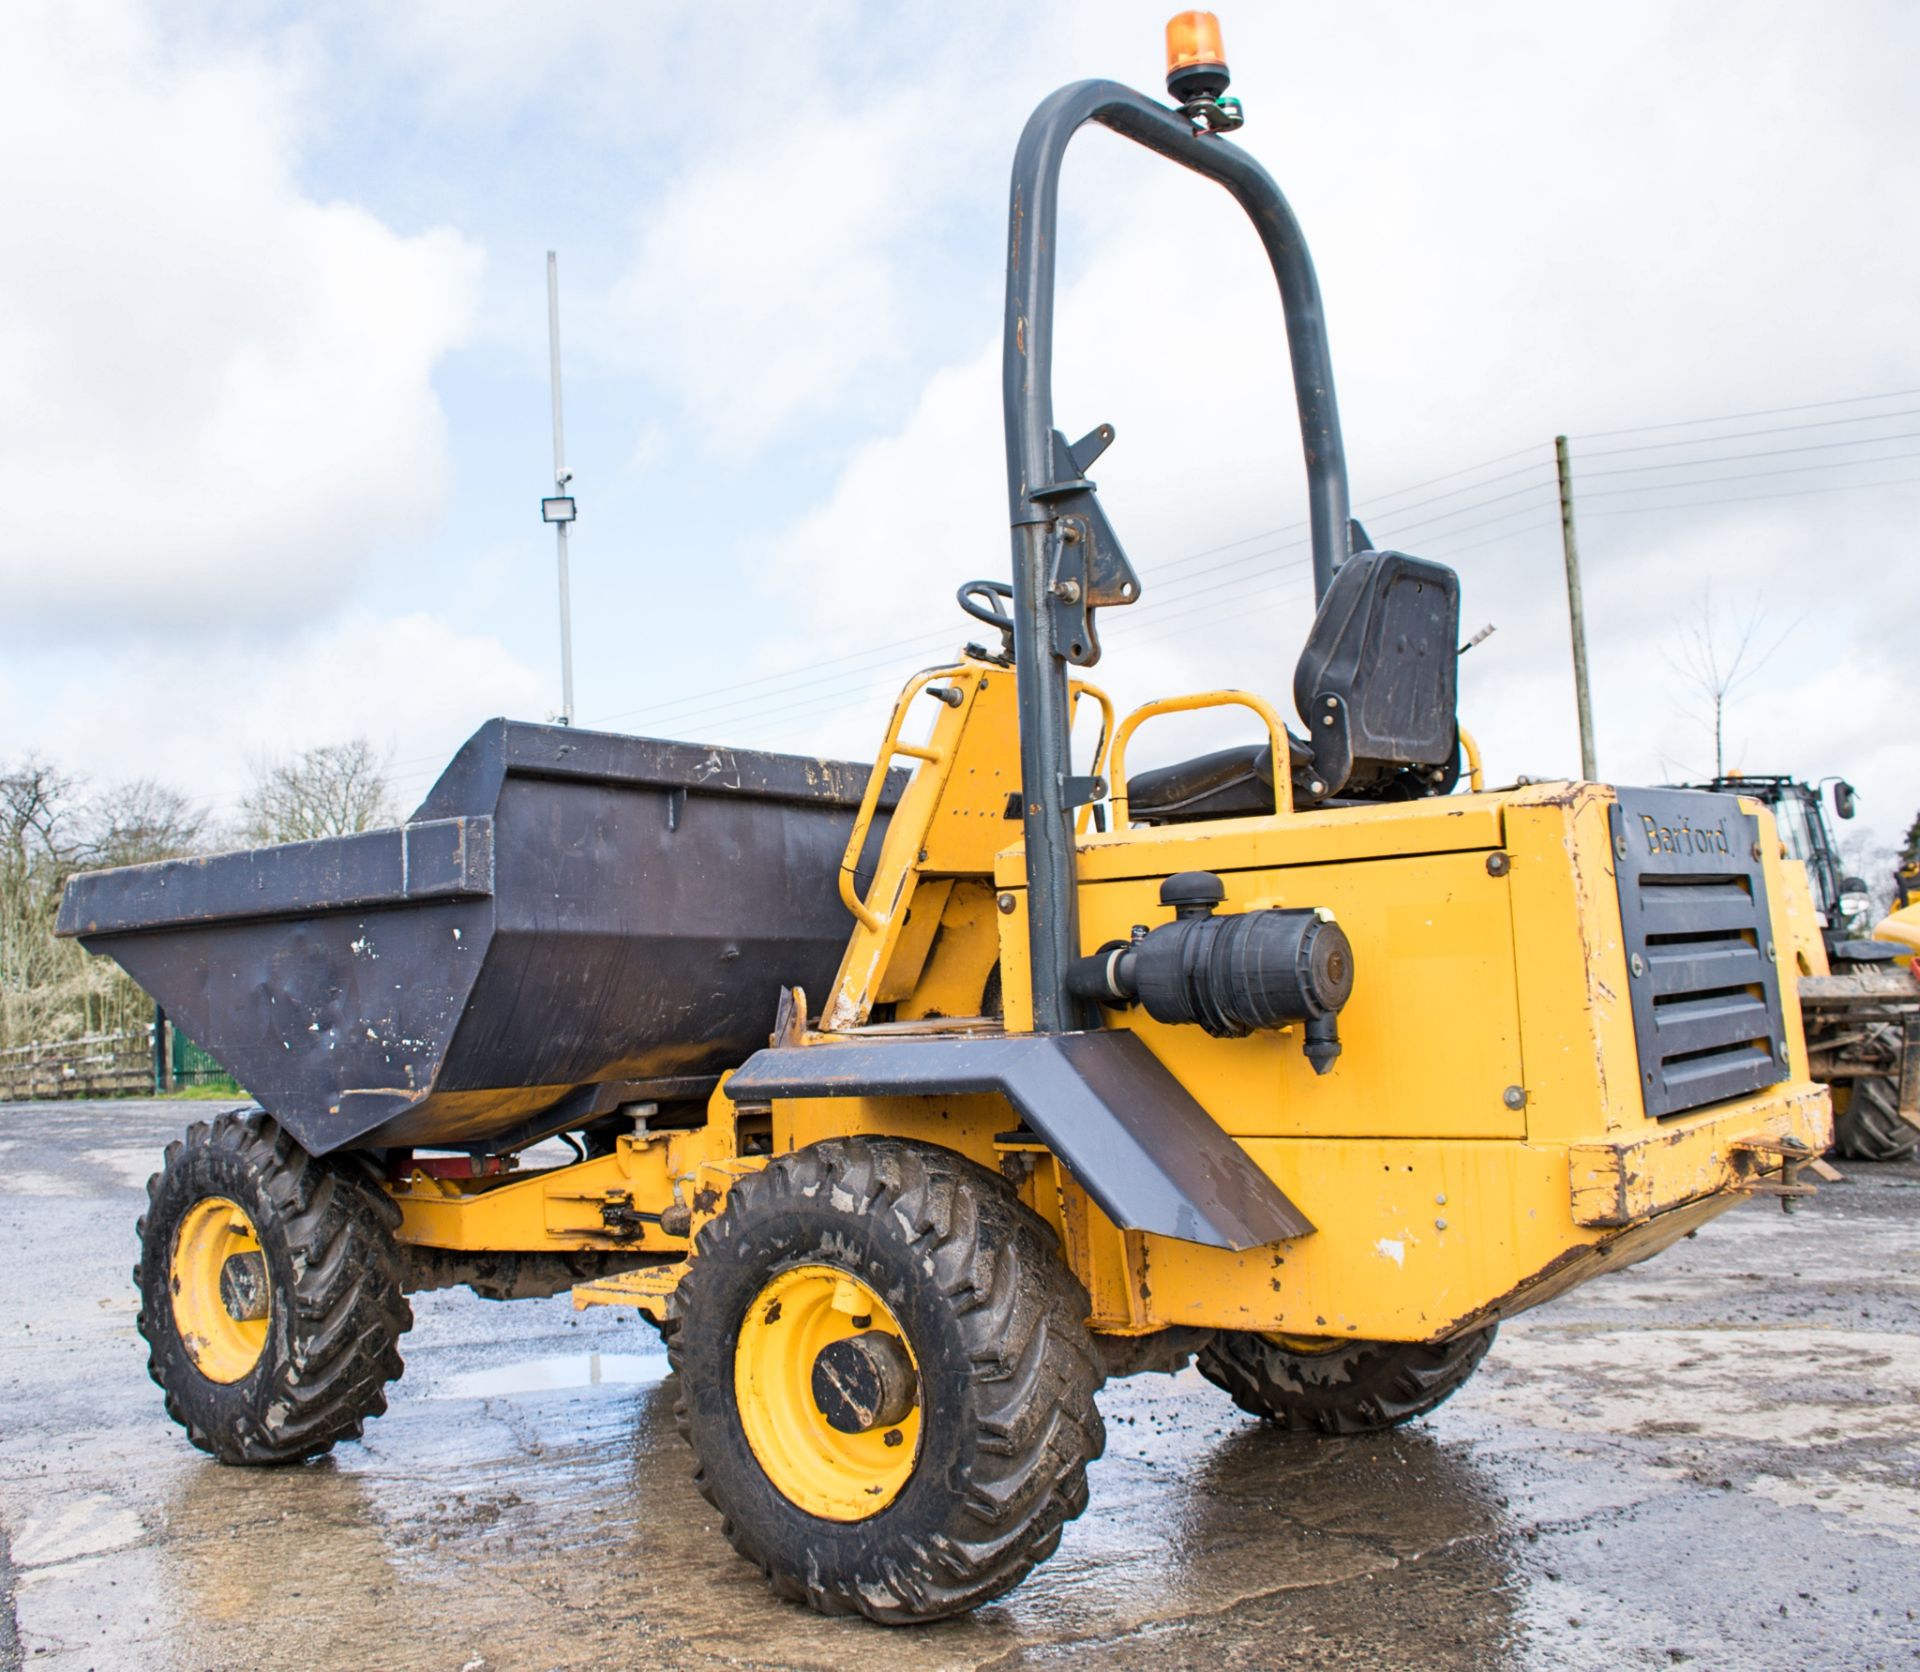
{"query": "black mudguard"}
(1132, 1134)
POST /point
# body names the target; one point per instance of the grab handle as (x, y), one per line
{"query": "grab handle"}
(1276, 733)
(876, 781)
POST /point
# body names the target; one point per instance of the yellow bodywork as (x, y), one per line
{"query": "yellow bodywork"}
(1902, 928)
(1479, 1146)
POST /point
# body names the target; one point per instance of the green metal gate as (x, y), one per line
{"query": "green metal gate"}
(193, 1066)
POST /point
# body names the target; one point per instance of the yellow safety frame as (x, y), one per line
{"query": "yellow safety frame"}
(1276, 733)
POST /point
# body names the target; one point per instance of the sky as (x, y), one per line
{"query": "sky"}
(274, 416)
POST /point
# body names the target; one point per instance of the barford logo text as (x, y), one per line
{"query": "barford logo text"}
(1684, 837)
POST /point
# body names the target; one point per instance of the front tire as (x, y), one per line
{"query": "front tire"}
(269, 1292)
(1346, 1387)
(886, 1377)
(1867, 1124)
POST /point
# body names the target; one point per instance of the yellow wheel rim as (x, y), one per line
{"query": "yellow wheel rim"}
(222, 1304)
(825, 1471)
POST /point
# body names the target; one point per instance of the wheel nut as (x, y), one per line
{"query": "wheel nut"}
(865, 1381)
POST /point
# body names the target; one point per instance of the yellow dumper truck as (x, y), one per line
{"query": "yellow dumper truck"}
(912, 1102)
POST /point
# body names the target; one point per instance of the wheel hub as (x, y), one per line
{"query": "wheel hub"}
(243, 1286)
(865, 1382)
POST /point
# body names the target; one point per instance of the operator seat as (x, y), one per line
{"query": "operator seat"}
(1376, 684)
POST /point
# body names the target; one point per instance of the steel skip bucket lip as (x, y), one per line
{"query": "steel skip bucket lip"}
(570, 920)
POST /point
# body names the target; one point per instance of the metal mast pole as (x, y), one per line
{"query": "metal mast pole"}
(1576, 610)
(561, 477)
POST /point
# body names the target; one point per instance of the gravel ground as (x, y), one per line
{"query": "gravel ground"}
(1707, 1460)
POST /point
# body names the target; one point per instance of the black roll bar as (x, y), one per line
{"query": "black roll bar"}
(1027, 392)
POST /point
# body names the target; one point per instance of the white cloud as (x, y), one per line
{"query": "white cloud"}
(1507, 250)
(215, 391)
(762, 288)
(412, 684)
(215, 395)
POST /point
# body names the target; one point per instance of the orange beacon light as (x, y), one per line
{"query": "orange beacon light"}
(1196, 58)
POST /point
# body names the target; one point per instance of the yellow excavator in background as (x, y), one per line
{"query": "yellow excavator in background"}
(1901, 926)
(1861, 1003)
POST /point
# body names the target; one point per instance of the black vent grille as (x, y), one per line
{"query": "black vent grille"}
(1693, 910)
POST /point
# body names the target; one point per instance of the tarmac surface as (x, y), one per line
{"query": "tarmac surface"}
(1712, 1459)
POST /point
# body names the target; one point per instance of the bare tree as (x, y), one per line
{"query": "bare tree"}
(334, 789)
(1864, 855)
(1719, 658)
(138, 822)
(38, 814)
(49, 828)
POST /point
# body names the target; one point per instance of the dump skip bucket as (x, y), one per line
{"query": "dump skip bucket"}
(571, 920)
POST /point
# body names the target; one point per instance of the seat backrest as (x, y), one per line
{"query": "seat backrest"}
(1377, 682)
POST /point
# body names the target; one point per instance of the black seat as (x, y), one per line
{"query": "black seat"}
(1377, 682)
(1227, 784)
(1377, 687)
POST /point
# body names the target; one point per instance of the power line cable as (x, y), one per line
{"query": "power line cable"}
(1504, 476)
(1494, 539)
(1746, 476)
(1122, 631)
(1746, 498)
(785, 679)
(779, 677)
(1743, 435)
(1762, 453)
(1374, 505)
(1448, 476)
(1462, 510)
(1733, 417)
(851, 672)
(1428, 543)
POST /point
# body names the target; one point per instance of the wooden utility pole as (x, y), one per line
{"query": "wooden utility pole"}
(1576, 610)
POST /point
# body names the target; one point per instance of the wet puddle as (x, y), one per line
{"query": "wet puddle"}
(557, 1374)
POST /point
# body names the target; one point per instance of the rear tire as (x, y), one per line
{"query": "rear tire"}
(326, 1314)
(1354, 1387)
(1869, 1127)
(937, 1254)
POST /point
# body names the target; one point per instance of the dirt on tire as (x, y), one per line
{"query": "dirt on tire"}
(997, 1324)
(337, 1314)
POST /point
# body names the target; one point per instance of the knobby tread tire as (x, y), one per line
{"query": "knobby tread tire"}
(1359, 1387)
(1869, 1128)
(326, 1230)
(1009, 1372)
